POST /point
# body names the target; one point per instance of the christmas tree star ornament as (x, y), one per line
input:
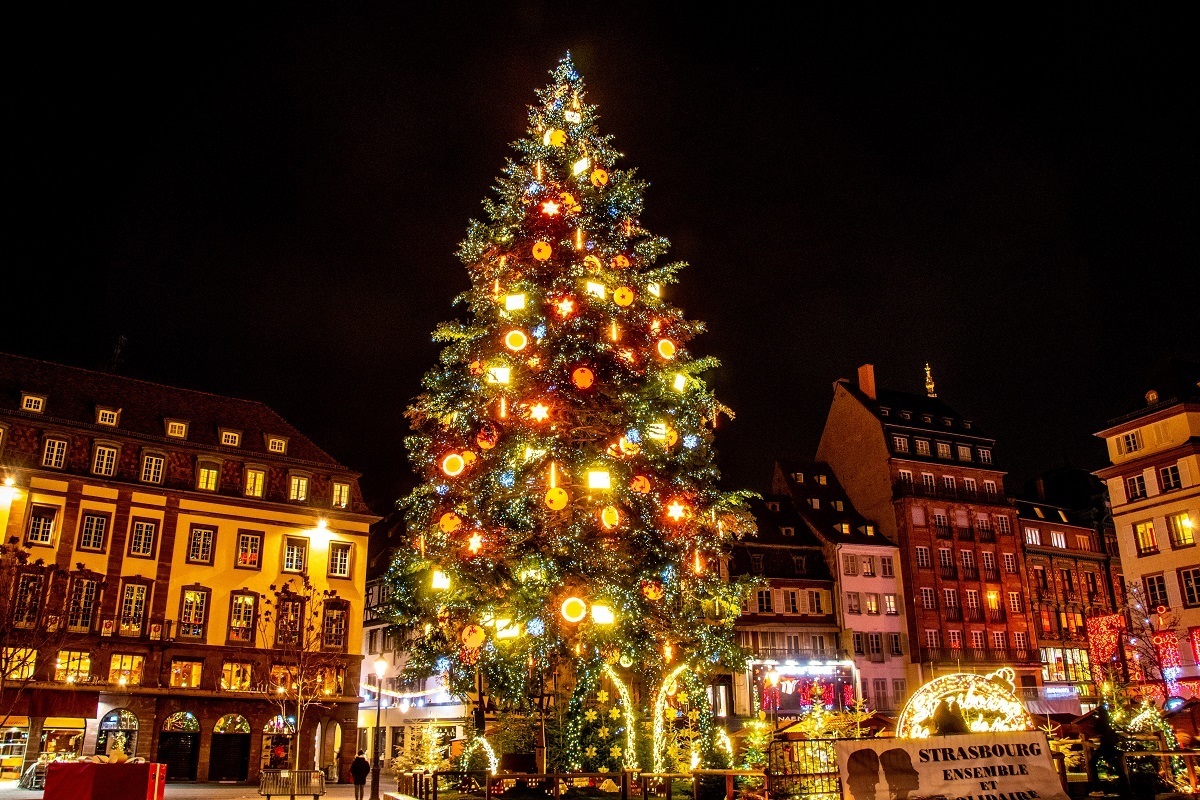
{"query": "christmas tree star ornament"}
(550, 208)
(539, 412)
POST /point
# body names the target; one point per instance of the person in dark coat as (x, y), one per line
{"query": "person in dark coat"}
(360, 768)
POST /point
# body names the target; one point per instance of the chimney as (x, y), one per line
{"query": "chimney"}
(866, 380)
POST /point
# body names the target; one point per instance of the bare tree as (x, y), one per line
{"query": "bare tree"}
(307, 629)
(34, 597)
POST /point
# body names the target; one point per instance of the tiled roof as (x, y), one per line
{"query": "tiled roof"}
(826, 519)
(918, 406)
(1051, 515)
(72, 395)
(777, 547)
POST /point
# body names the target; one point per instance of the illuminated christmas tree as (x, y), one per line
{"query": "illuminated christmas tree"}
(568, 518)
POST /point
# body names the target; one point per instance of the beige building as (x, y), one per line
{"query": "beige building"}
(1154, 486)
(157, 522)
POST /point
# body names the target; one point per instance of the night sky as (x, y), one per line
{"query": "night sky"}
(266, 204)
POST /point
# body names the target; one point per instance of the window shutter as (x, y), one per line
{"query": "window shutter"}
(802, 601)
(1116, 491)
(1185, 474)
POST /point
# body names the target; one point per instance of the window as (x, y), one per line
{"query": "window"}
(298, 488)
(756, 564)
(933, 639)
(295, 554)
(849, 564)
(889, 604)
(972, 598)
(82, 606)
(922, 447)
(208, 477)
(985, 455)
(1190, 580)
(905, 415)
(791, 602)
(818, 644)
(978, 640)
(968, 558)
(32, 402)
(341, 495)
(186, 672)
(133, 609)
(1181, 529)
(815, 604)
(1004, 526)
(928, 598)
(943, 449)
(1039, 577)
(1135, 487)
(894, 641)
(28, 601)
(1143, 534)
(1033, 536)
(928, 482)
(107, 416)
(200, 545)
(1014, 602)
(886, 568)
(969, 486)
(231, 438)
(289, 617)
(872, 602)
(1168, 478)
(923, 557)
(236, 676)
(193, 613)
(91, 532)
(993, 600)
(249, 550)
(989, 488)
(126, 670)
(276, 444)
(152, 468)
(334, 628)
(105, 460)
(951, 597)
(964, 452)
(955, 639)
(243, 607)
(41, 525)
(906, 477)
(948, 482)
(1010, 563)
(1083, 541)
(852, 603)
(875, 643)
(55, 454)
(177, 429)
(20, 662)
(1021, 640)
(858, 644)
(868, 566)
(1130, 442)
(255, 478)
(1156, 591)
(764, 601)
(1058, 539)
(339, 559)
(945, 557)
(842, 528)
(800, 563)
(72, 666)
(141, 539)
(900, 444)
(989, 560)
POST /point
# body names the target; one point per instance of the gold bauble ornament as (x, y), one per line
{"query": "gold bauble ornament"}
(450, 522)
(591, 262)
(653, 590)
(620, 261)
(623, 296)
(640, 484)
(583, 378)
(473, 636)
(610, 517)
(556, 499)
(542, 251)
(599, 178)
(555, 138)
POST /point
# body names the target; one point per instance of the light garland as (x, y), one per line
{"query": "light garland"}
(987, 706)
(660, 706)
(480, 743)
(630, 729)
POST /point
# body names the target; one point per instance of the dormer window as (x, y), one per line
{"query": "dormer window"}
(798, 477)
(844, 528)
(883, 412)
(815, 502)
(821, 479)
(230, 438)
(34, 403)
(947, 421)
(108, 416)
(772, 505)
(926, 418)
(277, 444)
(967, 424)
(177, 429)
(838, 505)
(870, 530)
(985, 456)
(787, 531)
(905, 415)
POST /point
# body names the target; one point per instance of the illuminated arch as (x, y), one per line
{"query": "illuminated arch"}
(660, 705)
(480, 743)
(630, 759)
(987, 703)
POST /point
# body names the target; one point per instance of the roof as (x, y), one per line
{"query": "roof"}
(889, 405)
(806, 481)
(386, 535)
(1177, 381)
(1051, 514)
(73, 394)
(782, 534)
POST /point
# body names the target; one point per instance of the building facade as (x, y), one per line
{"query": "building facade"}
(930, 478)
(866, 570)
(157, 524)
(1154, 487)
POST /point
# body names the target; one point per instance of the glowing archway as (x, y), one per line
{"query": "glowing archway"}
(480, 743)
(630, 759)
(660, 705)
(987, 704)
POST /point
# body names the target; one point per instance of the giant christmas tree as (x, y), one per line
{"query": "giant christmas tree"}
(568, 518)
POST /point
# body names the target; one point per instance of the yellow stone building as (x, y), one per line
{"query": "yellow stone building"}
(158, 524)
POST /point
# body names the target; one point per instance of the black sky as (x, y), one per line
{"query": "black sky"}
(266, 203)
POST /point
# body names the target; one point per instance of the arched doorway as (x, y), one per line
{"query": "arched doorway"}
(230, 759)
(179, 745)
(118, 731)
(278, 734)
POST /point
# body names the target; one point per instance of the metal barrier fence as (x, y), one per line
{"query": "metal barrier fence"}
(626, 785)
(291, 783)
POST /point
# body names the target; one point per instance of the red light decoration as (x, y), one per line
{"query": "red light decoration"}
(1104, 636)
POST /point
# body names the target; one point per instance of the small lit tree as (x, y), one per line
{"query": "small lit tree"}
(307, 628)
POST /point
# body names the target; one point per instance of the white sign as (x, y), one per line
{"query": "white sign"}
(1014, 765)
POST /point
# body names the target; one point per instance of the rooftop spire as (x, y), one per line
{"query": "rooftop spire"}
(930, 388)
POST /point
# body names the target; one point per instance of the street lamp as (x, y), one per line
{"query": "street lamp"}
(381, 666)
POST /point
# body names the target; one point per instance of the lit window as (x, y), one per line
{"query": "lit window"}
(943, 449)
(288, 620)
(985, 455)
(872, 602)
(141, 541)
(242, 618)
(200, 545)
(255, 478)
(1182, 530)
(341, 495)
(889, 604)
(276, 444)
(207, 477)
(83, 604)
(922, 447)
(55, 454)
(126, 670)
(236, 676)
(133, 609)
(41, 525)
(298, 488)
(295, 555)
(964, 452)
(20, 662)
(334, 628)
(868, 566)
(231, 438)
(105, 461)
(900, 444)
(33, 403)
(339, 559)
(91, 532)
(249, 549)
(1058, 539)
(1143, 534)
(193, 612)
(152, 468)
(107, 416)
(177, 429)
(73, 666)
(186, 672)
(1130, 442)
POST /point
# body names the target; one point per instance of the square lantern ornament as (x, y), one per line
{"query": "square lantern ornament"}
(599, 479)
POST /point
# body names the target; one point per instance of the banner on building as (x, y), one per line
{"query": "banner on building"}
(1015, 765)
